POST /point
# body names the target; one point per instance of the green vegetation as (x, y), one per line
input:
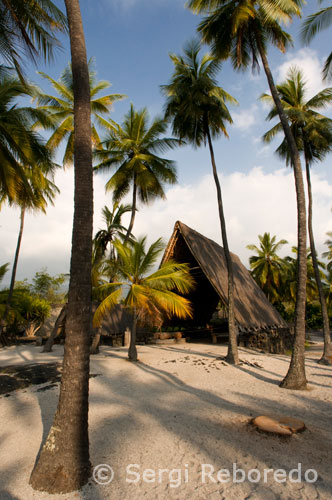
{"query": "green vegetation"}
(120, 268)
(131, 149)
(277, 277)
(148, 296)
(31, 303)
(60, 109)
(312, 133)
(198, 109)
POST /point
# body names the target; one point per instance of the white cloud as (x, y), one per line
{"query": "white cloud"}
(254, 202)
(310, 64)
(244, 119)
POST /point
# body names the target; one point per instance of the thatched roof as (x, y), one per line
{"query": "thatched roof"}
(207, 260)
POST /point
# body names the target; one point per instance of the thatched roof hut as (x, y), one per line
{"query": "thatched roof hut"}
(253, 312)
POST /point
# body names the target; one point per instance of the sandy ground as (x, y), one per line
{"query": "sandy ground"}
(179, 408)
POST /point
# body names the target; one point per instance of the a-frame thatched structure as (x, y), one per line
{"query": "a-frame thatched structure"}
(259, 323)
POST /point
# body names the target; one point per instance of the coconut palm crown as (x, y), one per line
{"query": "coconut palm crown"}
(28, 31)
(132, 150)
(61, 109)
(144, 293)
(266, 266)
(194, 101)
(314, 23)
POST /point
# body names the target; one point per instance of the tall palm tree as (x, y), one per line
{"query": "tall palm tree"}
(61, 109)
(197, 107)
(146, 294)
(313, 135)
(114, 230)
(41, 190)
(28, 30)
(313, 24)
(267, 267)
(241, 30)
(328, 255)
(132, 149)
(63, 464)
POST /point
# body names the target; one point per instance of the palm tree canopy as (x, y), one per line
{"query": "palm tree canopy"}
(314, 24)
(143, 292)
(28, 29)
(114, 229)
(61, 108)
(267, 266)
(311, 130)
(3, 270)
(132, 149)
(290, 276)
(20, 146)
(235, 28)
(194, 100)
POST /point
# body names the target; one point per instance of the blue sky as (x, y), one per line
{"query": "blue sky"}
(130, 41)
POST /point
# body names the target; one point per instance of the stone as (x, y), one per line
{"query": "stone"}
(283, 426)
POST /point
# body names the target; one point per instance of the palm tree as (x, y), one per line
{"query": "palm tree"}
(197, 107)
(328, 255)
(26, 165)
(41, 190)
(267, 267)
(314, 23)
(19, 145)
(241, 30)
(3, 270)
(145, 294)
(289, 278)
(61, 109)
(28, 30)
(328, 286)
(63, 464)
(313, 135)
(132, 148)
(114, 230)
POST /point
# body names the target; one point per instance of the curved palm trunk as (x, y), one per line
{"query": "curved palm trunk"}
(94, 349)
(132, 351)
(63, 464)
(13, 276)
(296, 377)
(60, 321)
(232, 353)
(133, 213)
(325, 359)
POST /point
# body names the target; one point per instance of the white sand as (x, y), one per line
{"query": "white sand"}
(178, 407)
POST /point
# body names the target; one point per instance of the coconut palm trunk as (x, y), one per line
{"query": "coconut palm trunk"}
(132, 351)
(61, 319)
(325, 359)
(232, 353)
(13, 276)
(94, 349)
(63, 464)
(296, 377)
(133, 212)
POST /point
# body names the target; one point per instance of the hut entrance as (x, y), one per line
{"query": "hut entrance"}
(254, 315)
(209, 322)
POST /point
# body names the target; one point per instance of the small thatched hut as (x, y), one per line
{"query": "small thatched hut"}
(259, 323)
